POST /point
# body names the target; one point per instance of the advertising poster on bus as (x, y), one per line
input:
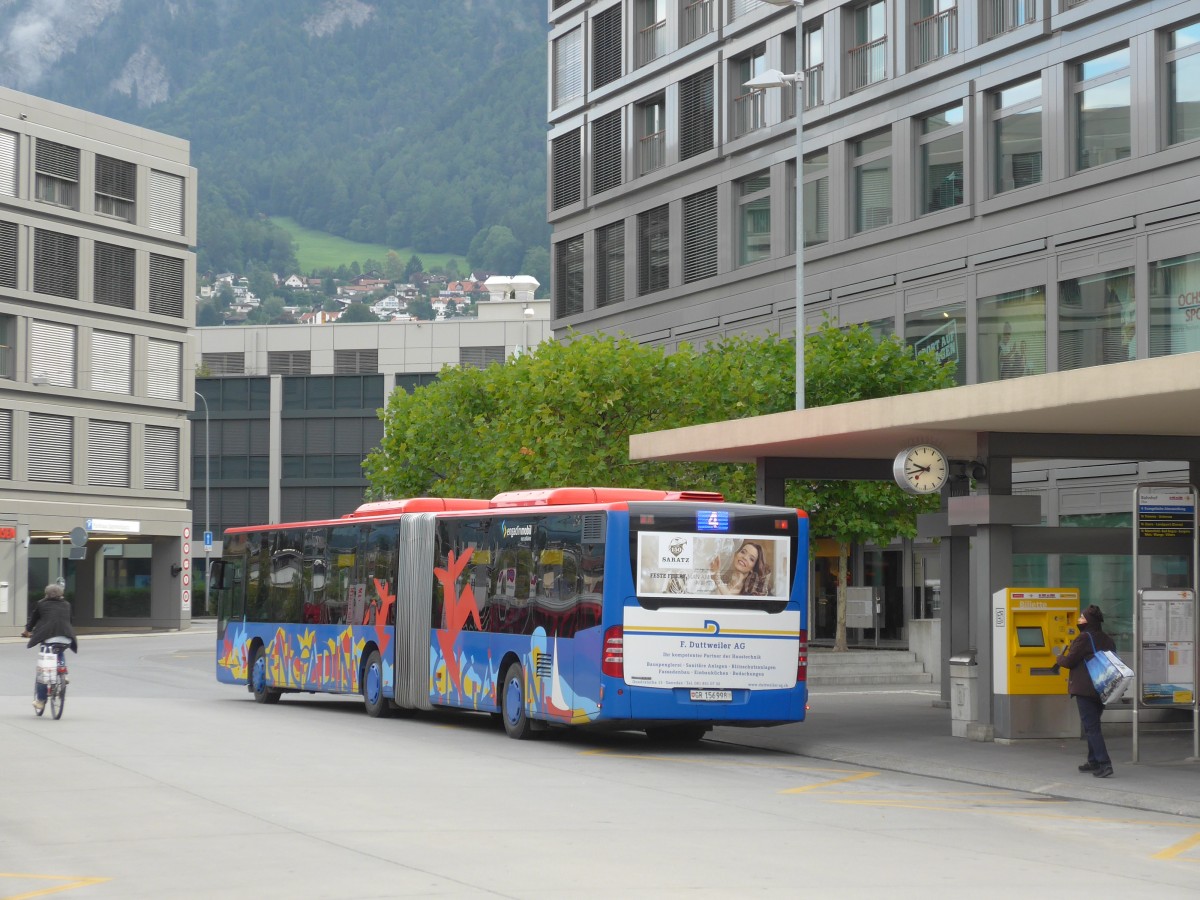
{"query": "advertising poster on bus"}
(700, 565)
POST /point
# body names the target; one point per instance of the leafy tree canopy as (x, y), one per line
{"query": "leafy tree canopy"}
(358, 312)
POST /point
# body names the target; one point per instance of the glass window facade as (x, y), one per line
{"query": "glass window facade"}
(1096, 322)
(1012, 334)
(754, 218)
(1175, 305)
(942, 330)
(1183, 84)
(1017, 133)
(941, 156)
(816, 198)
(873, 181)
(1102, 92)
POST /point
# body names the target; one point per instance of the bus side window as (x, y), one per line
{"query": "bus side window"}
(258, 578)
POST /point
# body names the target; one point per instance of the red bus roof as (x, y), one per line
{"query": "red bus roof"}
(579, 495)
(416, 504)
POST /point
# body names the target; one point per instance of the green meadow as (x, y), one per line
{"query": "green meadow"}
(318, 250)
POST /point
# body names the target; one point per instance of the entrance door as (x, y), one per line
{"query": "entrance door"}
(883, 571)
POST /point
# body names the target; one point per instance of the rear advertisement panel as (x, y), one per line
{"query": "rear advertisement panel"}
(682, 564)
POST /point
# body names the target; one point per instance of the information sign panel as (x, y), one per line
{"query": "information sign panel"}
(1167, 634)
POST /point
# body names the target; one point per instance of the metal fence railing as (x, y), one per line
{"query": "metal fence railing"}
(868, 63)
(935, 36)
(699, 19)
(1002, 16)
(651, 42)
(652, 152)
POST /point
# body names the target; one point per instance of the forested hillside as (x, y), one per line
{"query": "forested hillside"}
(410, 123)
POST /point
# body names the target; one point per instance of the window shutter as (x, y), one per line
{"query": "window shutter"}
(116, 187)
(568, 277)
(166, 285)
(52, 352)
(480, 357)
(568, 67)
(606, 47)
(606, 151)
(743, 7)
(565, 157)
(696, 114)
(112, 362)
(355, 362)
(700, 235)
(161, 454)
(875, 195)
(108, 453)
(318, 436)
(166, 202)
(51, 448)
(58, 160)
(260, 437)
(610, 264)
(8, 164)
(224, 363)
(6, 443)
(289, 362)
(654, 250)
(8, 254)
(56, 264)
(164, 367)
(115, 276)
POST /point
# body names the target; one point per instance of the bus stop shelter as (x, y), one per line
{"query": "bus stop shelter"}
(1139, 410)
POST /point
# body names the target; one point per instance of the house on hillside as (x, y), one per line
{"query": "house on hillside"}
(295, 282)
(318, 317)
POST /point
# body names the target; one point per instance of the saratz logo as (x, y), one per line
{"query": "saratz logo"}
(518, 531)
(675, 551)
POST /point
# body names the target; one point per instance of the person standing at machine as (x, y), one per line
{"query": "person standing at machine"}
(1091, 638)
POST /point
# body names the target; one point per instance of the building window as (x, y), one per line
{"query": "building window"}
(565, 162)
(1096, 323)
(1002, 16)
(753, 218)
(700, 235)
(1012, 334)
(696, 114)
(699, 18)
(652, 30)
(51, 448)
(1102, 132)
(166, 202)
(942, 330)
(409, 382)
(816, 198)
(568, 67)
(1017, 130)
(606, 152)
(747, 102)
(1183, 84)
(164, 370)
(654, 250)
(112, 362)
(814, 67)
(52, 352)
(610, 264)
(57, 174)
(223, 363)
(941, 152)
(867, 57)
(606, 47)
(355, 362)
(935, 30)
(8, 346)
(480, 357)
(8, 254)
(161, 459)
(739, 8)
(115, 275)
(108, 453)
(289, 362)
(568, 277)
(116, 188)
(652, 134)
(6, 444)
(873, 181)
(8, 164)
(56, 264)
(1175, 305)
(881, 329)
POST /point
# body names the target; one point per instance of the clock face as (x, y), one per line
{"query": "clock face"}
(921, 470)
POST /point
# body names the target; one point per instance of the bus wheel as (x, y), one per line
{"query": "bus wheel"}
(372, 687)
(258, 679)
(512, 703)
(677, 734)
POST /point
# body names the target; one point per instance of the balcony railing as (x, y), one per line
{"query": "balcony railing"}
(1003, 16)
(699, 19)
(747, 113)
(651, 42)
(814, 86)
(868, 63)
(935, 36)
(652, 152)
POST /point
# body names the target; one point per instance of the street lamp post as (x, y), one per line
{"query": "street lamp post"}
(775, 78)
(207, 481)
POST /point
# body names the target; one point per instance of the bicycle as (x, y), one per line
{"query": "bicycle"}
(52, 672)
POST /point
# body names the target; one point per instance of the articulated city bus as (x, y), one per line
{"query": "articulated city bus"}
(600, 607)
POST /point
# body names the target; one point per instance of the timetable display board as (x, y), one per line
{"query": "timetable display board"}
(1167, 647)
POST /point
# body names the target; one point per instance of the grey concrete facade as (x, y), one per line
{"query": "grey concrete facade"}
(97, 222)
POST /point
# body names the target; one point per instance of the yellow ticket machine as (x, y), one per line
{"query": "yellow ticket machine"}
(1030, 627)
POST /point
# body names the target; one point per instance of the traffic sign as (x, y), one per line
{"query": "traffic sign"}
(208, 540)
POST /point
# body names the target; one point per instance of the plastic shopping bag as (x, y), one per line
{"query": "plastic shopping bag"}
(1110, 676)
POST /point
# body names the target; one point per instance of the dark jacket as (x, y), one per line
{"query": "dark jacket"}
(1079, 681)
(51, 618)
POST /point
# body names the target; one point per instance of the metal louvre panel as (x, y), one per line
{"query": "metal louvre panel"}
(8, 164)
(166, 202)
(292, 435)
(164, 365)
(567, 162)
(285, 362)
(291, 504)
(480, 357)
(162, 458)
(235, 508)
(654, 250)
(740, 8)
(52, 352)
(568, 277)
(112, 362)
(319, 434)
(115, 276)
(224, 363)
(345, 499)
(8, 254)
(116, 178)
(6, 443)
(260, 437)
(413, 610)
(51, 448)
(568, 67)
(235, 438)
(166, 285)
(355, 362)
(372, 432)
(610, 264)
(696, 114)
(606, 151)
(700, 235)
(56, 264)
(58, 160)
(606, 47)
(347, 436)
(108, 453)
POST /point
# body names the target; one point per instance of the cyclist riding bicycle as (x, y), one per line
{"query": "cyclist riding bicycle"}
(50, 620)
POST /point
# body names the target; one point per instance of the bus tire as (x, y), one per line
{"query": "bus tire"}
(512, 703)
(258, 679)
(372, 687)
(677, 734)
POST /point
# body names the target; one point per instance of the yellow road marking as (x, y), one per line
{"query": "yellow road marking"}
(72, 882)
(857, 776)
(1182, 846)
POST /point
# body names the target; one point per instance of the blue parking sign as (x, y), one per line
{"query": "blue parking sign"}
(208, 540)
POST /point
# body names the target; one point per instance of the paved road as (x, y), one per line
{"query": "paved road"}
(158, 782)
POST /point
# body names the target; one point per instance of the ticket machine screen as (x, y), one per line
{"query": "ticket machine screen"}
(1030, 637)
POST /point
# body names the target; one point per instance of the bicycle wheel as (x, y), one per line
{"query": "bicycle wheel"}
(38, 709)
(58, 697)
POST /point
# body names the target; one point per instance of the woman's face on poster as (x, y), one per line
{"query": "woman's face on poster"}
(745, 559)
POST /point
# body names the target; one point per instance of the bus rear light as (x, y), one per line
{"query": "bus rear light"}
(802, 658)
(613, 663)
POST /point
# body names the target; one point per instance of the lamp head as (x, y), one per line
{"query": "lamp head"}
(527, 312)
(773, 78)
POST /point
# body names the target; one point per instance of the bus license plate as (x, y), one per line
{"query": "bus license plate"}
(712, 696)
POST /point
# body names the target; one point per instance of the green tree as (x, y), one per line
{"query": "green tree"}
(495, 249)
(537, 264)
(392, 268)
(208, 315)
(412, 267)
(358, 312)
(225, 295)
(420, 308)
